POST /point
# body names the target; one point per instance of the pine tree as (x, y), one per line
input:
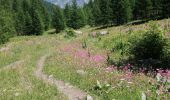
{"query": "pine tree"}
(96, 12)
(67, 15)
(156, 11)
(82, 18)
(75, 16)
(7, 28)
(165, 8)
(28, 24)
(88, 9)
(58, 20)
(122, 11)
(15, 6)
(19, 22)
(106, 12)
(143, 9)
(46, 18)
(37, 27)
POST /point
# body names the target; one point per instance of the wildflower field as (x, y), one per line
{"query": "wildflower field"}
(103, 66)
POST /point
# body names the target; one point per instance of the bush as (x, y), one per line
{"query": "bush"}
(70, 33)
(165, 58)
(150, 47)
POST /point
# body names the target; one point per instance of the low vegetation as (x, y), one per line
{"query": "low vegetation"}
(90, 50)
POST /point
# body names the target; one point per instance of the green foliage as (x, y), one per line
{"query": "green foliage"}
(37, 27)
(67, 15)
(143, 9)
(150, 46)
(122, 11)
(7, 28)
(28, 24)
(106, 12)
(76, 16)
(166, 55)
(70, 33)
(58, 20)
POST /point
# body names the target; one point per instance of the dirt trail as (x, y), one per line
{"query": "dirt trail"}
(70, 91)
(13, 65)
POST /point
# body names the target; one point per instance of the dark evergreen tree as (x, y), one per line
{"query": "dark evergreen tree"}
(7, 28)
(67, 15)
(165, 8)
(37, 27)
(156, 11)
(58, 20)
(143, 9)
(96, 12)
(75, 17)
(19, 22)
(88, 9)
(46, 18)
(122, 11)
(28, 24)
(106, 12)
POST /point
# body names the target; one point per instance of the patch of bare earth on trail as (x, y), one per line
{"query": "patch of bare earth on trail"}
(13, 65)
(4, 49)
(70, 91)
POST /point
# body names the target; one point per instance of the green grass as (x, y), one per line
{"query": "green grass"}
(21, 84)
(64, 67)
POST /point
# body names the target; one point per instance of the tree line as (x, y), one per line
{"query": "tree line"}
(32, 17)
(111, 12)
(24, 17)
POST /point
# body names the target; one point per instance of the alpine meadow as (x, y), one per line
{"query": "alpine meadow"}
(84, 49)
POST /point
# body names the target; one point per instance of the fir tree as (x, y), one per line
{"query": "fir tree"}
(75, 16)
(37, 27)
(96, 12)
(143, 9)
(165, 8)
(67, 15)
(122, 11)
(58, 20)
(28, 24)
(106, 12)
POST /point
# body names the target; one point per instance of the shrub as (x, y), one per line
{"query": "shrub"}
(165, 58)
(70, 33)
(150, 47)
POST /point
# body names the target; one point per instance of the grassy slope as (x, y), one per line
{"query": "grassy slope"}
(65, 67)
(21, 84)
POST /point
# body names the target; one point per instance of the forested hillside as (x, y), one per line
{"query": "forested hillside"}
(23, 17)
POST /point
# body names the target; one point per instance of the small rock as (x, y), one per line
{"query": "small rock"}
(104, 32)
(81, 72)
(51, 76)
(158, 77)
(89, 97)
(143, 96)
(4, 49)
(16, 94)
(78, 32)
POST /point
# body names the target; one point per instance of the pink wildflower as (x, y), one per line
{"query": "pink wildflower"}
(82, 54)
(98, 58)
(94, 34)
(111, 69)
